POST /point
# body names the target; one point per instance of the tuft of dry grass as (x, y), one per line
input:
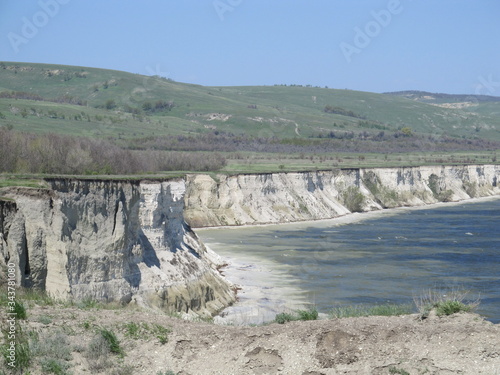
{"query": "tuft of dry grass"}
(445, 301)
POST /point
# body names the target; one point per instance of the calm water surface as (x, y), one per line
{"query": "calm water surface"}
(389, 256)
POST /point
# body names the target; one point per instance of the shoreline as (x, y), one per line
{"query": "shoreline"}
(264, 290)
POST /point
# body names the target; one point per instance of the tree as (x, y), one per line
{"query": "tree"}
(407, 132)
(110, 104)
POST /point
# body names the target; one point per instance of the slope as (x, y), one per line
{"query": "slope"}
(98, 102)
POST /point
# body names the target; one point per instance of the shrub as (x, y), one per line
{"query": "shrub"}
(110, 104)
(52, 346)
(19, 310)
(132, 330)
(97, 353)
(161, 333)
(112, 340)
(311, 314)
(353, 199)
(54, 153)
(444, 302)
(136, 331)
(283, 318)
(394, 370)
(452, 307)
(54, 366)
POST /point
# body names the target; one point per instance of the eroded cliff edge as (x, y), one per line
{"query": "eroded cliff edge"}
(130, 241)
(289, 197)
(111, 241)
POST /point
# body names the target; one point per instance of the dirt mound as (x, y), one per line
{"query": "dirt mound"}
(152, 343)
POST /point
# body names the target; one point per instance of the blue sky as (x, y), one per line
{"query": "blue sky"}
(370, 45)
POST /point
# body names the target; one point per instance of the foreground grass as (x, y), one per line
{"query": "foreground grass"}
(310, 314)
(445, 302)
(356, 311)
(442, 302)
(51, 350)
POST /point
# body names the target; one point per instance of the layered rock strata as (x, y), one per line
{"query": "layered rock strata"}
(111, 241)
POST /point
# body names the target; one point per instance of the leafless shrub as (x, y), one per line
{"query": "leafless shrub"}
(97, 354)
(57, 154)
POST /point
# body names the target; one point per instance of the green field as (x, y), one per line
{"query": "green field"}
(254, 162)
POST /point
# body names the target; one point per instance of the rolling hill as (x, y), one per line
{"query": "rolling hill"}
(98, 102)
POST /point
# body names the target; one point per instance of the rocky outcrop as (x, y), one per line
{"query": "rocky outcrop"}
(288, 197)
(111, 241)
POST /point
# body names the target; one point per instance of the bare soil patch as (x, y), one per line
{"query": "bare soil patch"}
(457, 344)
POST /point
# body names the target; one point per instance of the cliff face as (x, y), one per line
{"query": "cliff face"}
(129, 241)
(111, 241)
(287, 197)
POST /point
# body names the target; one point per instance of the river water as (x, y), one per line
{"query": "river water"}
(371, 258)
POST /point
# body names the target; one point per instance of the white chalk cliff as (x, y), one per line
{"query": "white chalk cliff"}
(111, 241)
(288, 197)
(130, 241)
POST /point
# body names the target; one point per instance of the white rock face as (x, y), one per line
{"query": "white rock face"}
(287, 197)
(111, 241)
(128, 241)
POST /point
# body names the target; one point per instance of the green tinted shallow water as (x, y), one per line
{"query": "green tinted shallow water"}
(389, 256)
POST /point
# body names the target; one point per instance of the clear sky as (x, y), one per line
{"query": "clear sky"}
(447, 46)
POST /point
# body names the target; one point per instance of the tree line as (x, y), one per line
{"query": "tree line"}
(403, 140)
(59, 154)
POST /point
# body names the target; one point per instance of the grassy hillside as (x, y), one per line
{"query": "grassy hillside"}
(97, 102)
(166, 125)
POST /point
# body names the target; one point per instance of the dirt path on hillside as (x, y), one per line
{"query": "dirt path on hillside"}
(459, 344)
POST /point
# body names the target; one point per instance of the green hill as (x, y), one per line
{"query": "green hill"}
(98, 102)
(113, 122)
